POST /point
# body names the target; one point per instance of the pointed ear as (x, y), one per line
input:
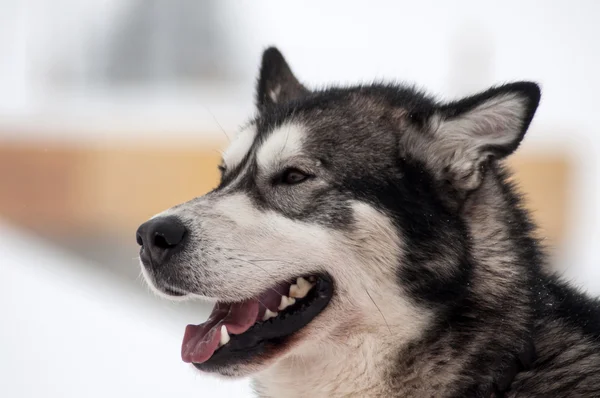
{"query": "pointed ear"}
(487, 125)
(276, 82)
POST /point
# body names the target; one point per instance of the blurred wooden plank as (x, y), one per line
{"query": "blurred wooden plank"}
(130, 185)
(112, 190)
(37, 186)
(82, 190)
(545, 182)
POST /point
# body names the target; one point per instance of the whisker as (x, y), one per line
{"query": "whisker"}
(258, 259)
(264, 270)
(271, 260)
(217, 122)
(263, 304)
(246, 253)
(378, 309)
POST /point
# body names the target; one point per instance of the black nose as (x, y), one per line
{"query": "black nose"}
(159, 237)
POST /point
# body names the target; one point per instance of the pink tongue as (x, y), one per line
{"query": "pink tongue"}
(201, 341)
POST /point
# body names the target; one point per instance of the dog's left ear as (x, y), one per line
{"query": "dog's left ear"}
(488, 125)
(276, 82)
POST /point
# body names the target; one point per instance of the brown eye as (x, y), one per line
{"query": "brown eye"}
(221, 168)
(293, 176)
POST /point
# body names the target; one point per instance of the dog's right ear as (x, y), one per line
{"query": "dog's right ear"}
(276, 82)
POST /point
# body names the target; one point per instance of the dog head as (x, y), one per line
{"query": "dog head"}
(338, 212)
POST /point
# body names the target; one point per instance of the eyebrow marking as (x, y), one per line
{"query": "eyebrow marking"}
(284, 142)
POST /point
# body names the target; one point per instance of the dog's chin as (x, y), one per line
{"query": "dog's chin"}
(245, 367)
(246, 350)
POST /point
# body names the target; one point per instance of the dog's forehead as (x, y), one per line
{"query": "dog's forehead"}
(336, 122)
(268, 148)
(284, 142)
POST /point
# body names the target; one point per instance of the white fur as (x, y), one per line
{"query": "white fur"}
(283, 143)
(238, 234)
(335, 359)
(238, 149)
(331, 358)
(245, 250)
(352, 369)
(151, 283)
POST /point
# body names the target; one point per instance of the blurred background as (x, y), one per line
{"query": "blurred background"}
(113, 110)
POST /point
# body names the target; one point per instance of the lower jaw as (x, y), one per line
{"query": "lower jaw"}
(266, 341)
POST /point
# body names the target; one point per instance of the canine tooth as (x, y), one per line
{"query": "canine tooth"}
(269, 314)
(224, 336)
(295, 291)
(304, 284)
(301, 288)
(286, 302)
(301, 281)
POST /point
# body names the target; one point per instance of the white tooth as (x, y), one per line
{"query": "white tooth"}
(303, 283)
(294, 291)
(286, 302)
(301, 288)
(224, 336)
(269, 314)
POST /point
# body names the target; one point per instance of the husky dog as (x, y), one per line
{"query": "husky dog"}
(366, 241)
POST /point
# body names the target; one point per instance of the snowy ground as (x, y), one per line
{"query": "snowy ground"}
(68, 330)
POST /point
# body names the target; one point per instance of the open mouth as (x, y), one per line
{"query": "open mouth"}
(239, 332)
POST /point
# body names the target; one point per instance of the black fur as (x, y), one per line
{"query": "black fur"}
(500, 323)
(508, 322)
(276, 77)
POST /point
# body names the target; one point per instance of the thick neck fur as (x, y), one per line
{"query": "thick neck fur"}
(467, 348)
(462, 351)
(355, 368)
(478, 338)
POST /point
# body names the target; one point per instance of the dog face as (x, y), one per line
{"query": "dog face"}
(338, 213)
